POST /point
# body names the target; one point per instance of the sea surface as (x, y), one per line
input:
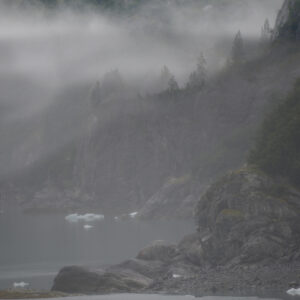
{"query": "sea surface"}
(34, 247)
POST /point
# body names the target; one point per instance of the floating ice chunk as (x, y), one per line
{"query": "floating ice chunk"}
(207, 8)
(21, 284)
(116, 218)
(294, 292)
(133, 214)
(87, 227)
(74, 218)
(176, 276)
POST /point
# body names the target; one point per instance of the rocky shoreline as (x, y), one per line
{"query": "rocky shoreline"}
(247, 243)
(261, 281)
(30, 294)
(180, 277)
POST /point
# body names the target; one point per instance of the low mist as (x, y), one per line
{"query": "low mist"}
(45, 55)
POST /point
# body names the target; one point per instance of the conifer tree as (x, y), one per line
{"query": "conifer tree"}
(266, 32)
(165, 77)
(238, 51)
(198, 77)
(173, 85)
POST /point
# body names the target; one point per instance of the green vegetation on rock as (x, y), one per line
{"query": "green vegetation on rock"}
(291, 28)
(277, 149)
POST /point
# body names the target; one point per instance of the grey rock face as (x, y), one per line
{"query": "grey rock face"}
(158, 250)
(176, 198)
(250, 217)
(76, 280)
(147, 268)
(53, 199)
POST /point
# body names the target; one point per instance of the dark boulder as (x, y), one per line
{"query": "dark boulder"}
(80, 280)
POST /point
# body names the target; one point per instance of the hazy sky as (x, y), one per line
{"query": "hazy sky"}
(42, 55)
(72, 47)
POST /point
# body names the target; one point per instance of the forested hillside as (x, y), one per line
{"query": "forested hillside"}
(123, 142)
(278, 144)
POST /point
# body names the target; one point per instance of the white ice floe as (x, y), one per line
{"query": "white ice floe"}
(21, 284)
(176, 276)
(88, 227)
(133, 214)
(294, 292)
(74, 218)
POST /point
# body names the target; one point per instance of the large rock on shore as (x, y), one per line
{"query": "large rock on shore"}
(80, 280)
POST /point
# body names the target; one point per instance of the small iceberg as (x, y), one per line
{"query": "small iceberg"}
(74, 218)
(176, 276)
(294, 292)
(126, 216)
(133, 214)
(21, 284)
(88, 227)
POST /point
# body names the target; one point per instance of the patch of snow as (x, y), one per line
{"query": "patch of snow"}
(133, 214)
(74, 218)
(21, 284)
(207, 8)
(87, 227)
(294, 292)
(176, 276)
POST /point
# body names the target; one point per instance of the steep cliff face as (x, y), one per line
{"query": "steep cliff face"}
(288, 21)
(177, 198)
(248, 217)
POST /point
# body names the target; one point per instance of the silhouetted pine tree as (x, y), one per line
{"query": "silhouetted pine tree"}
(173, 85)
(165, 77)
(238, 51)
(198, 77)
(266, 33)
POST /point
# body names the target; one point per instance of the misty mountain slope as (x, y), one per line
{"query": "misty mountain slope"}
(121, 151)
(197, 134)
(133, 147)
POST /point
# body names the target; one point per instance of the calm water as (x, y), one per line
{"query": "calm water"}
(34, 247)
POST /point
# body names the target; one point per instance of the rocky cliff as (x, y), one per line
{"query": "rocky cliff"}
(248, 238)
(178, 198)
(247, 217)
